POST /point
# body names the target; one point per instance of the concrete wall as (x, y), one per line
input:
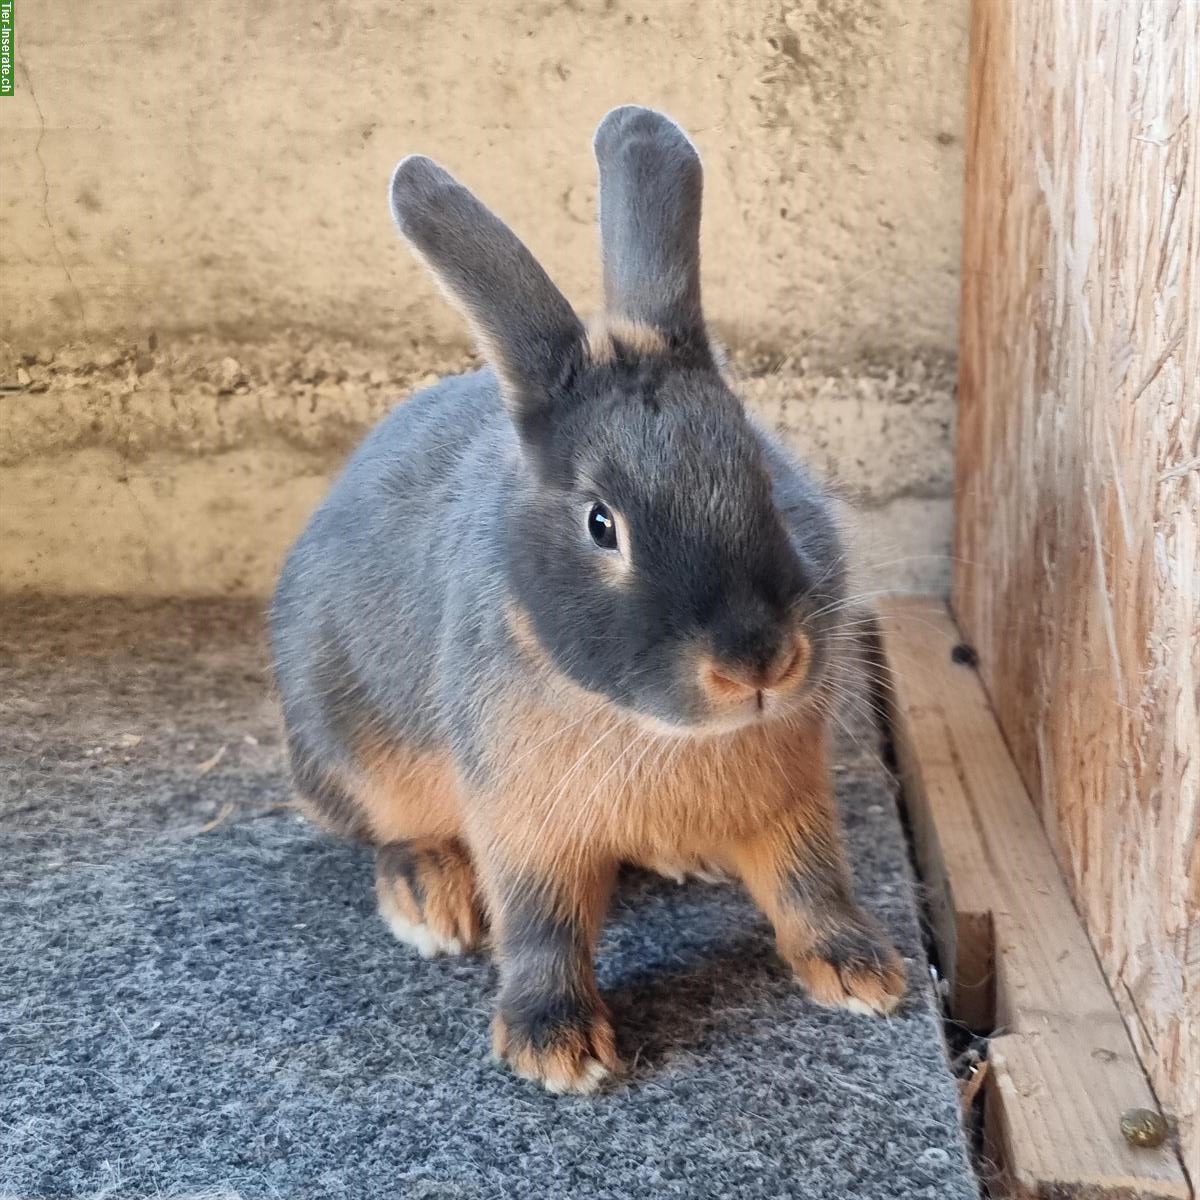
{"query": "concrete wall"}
(204, 302)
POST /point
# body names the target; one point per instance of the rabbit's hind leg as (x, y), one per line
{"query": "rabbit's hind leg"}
(427, 895)
(326, 792)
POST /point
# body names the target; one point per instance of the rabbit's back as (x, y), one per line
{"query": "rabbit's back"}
(358, 619)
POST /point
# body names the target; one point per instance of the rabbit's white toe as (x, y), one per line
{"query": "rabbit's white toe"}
(427, 942)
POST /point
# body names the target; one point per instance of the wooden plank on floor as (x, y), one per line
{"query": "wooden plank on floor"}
(1018, 961)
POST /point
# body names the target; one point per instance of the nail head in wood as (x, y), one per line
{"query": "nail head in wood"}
(1143, 1127)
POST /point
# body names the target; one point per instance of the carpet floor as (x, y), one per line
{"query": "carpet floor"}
(197, 999)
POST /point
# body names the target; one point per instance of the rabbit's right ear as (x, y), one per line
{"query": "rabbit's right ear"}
(523, 323)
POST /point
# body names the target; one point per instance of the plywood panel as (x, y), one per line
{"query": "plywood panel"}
(1078, 490)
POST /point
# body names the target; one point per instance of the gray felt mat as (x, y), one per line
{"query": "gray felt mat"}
(196, 996)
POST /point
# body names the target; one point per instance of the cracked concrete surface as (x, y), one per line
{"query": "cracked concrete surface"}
(184, 469)
(205, 304)
(226, 164)
(37, 153)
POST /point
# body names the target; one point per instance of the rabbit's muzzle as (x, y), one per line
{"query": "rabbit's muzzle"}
(726, 681)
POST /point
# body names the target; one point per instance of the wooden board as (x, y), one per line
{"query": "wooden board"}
(1077, 571)
(1062, 1066)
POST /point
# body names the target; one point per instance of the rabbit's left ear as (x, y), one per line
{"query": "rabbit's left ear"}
(524, 325)
(651, 184)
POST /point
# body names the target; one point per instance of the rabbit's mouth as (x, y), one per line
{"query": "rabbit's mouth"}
(752, 710)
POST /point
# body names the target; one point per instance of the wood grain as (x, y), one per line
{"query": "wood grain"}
(1062, 1066)
(1078, 544)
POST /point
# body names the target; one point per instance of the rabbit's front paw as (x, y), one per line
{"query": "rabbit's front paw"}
(426, 895)
(853, 966)
(564, 1053)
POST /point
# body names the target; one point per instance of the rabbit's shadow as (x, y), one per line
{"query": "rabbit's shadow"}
(713, 985)
(682, 969)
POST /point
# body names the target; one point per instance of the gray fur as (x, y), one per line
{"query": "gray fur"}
(650, 194)
(385, 619)
(548, 984)
(525, 325)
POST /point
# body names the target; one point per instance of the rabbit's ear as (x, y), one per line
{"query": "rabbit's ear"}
(650, 188)
(523, 323)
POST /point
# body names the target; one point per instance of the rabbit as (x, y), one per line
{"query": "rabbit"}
(572, 611)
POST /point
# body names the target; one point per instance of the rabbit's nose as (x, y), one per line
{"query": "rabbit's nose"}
(784, 670)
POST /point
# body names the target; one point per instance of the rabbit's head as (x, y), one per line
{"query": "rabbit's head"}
(648, 550)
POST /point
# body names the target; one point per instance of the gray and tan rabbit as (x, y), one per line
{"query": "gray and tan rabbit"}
(573, 611)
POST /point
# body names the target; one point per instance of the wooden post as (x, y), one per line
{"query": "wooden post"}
(1078, 491)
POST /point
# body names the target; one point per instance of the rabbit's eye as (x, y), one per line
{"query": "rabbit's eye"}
(602, 527)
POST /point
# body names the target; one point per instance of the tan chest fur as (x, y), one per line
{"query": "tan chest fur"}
(585, 779)
(582, 780)
(572, 778)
